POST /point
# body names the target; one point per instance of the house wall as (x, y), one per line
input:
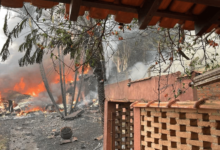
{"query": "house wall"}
(211, 90)
(208, 84)
(146, 89)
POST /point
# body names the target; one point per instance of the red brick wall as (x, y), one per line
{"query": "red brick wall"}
(211, 91)
(146, 89)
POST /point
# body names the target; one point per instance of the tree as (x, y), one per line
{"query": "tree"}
(23, 15)
(180, 46)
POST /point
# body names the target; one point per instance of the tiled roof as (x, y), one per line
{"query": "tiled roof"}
(199, 15)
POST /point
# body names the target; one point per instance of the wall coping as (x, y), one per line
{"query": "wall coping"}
(208, 104)
(208, 77)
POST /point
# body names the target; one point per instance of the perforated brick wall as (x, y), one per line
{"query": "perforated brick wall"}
(124, 132)
(175, 129)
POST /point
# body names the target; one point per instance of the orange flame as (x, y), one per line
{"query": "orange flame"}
(87, 68)
(20, 85)
(37, 108)
(34, 91)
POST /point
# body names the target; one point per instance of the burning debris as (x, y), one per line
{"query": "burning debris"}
(37, 99)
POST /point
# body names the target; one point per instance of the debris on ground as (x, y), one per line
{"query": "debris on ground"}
(73, 139)
(66, 133)
(73, 115)
(99, 138)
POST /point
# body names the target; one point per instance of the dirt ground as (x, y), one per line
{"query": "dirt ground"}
(36, 132)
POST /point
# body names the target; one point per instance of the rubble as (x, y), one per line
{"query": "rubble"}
(73, 139)
(99, 138)
(73, 115)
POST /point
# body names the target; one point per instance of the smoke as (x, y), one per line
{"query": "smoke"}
(131, 57)
(138, 71)
(88, 99)
(15, 81)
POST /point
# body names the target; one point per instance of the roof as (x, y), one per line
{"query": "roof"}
(199, 15)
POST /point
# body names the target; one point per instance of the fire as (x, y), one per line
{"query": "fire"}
(87, 68)
(31, 110)
(22, 88)
(20, 85)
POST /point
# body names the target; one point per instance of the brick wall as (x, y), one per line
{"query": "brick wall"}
(186, 129)
(208, 84)
(211, 91)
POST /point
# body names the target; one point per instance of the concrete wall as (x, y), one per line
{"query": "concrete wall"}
(147, 89)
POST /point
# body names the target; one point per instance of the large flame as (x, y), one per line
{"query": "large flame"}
(33, 85)
(23, 87)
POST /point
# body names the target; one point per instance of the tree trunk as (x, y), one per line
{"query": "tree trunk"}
(101, 91)
(61, 81)
(80, 87)
(64, 83)
(73, 94)
(44, 78)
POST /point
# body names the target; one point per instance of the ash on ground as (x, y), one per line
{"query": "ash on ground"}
(41, 131)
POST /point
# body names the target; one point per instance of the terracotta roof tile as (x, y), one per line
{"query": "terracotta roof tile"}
(168, 19)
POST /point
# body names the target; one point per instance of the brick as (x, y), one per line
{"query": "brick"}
(156, 136)
(173, 127)
(183, 134)
(172, 114)
(164, 120)
(209, 111)
(143, 133)
(215, 146)
(165, 131)
(194, 142)
(188, 110)
(215, 132)
(148, 148)
(170, 148)
(151, 129)
(144, 123)
(143, 113)
(148, 118)
(155, 124)
(194, 129)
(150, 109)
(165, 143)
(168, 109)
(173, 138)
(183, 147)
(185, 121)
(208, 138)
(149, 139)
(143, 142)
(193, 116)
(157, 114)
(158, 109)
(156, 146)
(206, 124)
(214, 117)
